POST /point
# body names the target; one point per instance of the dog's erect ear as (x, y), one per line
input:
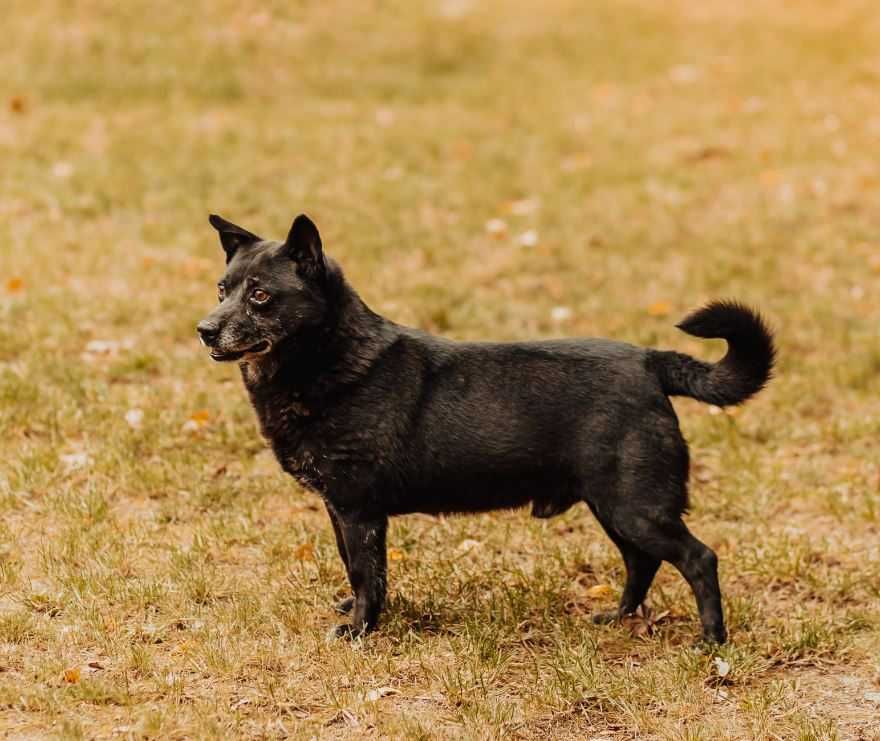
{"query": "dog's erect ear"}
(232, 237)
(303, 245)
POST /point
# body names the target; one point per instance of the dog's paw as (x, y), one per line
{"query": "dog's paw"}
(606, 618)
(345, 631)
(708, 642)
(343, 607)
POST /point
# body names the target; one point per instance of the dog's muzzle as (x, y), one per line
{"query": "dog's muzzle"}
(208, 332)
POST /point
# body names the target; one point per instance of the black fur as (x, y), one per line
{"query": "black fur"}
(383, 420)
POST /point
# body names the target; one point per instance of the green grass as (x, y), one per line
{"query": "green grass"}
(168, 582)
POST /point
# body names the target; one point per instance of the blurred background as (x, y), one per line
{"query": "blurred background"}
(485, 170)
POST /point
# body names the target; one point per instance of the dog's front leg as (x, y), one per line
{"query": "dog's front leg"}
(344, 605)
(367, 571)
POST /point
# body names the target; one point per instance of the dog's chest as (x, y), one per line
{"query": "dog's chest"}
(313, 447)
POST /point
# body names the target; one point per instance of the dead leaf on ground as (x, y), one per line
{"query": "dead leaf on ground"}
(468, 544)
(660, 308)
(496, 228)
(72, 675)
(381, 692)
(703, 154)
(600, 591)
(305, 552)
(14, 285)
(576, 162)
(642, 622)
(395, 554)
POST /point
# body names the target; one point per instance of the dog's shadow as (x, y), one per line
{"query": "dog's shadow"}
(519, 613)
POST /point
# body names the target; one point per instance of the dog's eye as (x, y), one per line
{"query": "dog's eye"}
(221, 292)
(260, 296)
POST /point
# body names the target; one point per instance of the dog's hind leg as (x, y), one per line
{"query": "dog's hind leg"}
(367, 572)
(640, 570)
(344, 605)
(670, 540)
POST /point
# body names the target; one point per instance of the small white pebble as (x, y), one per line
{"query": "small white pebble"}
(74, 461)
(102, 347)
(528, 238)
(384, 117)
(496, 227)
(561, 313)
(62, 169)
(786, 193)
(453, 9)
(525, 206)
(684, 74)
(135, 418)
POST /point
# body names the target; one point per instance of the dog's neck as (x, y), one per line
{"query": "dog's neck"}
(309, 366)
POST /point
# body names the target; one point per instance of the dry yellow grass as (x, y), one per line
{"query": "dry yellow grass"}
(158, 576)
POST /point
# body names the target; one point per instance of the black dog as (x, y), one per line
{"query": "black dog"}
(382, 420)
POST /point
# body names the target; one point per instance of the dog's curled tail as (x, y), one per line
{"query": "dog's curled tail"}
(739, 375)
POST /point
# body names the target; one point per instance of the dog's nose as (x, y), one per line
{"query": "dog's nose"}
(208, 331)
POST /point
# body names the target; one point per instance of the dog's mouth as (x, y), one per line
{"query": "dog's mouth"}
(261, 348)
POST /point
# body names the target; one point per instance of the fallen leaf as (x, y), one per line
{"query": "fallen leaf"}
(708, 152)
(72, 675)
(14, 285)
(17, 104)
(496, 228)
(600, 591)
(468, 544)
(639, 626)
(395, 554)
(102, 347)
(305, 552)
(376, 694)
(95, 665)
(575, 162)
(660, 308)
(523, 206)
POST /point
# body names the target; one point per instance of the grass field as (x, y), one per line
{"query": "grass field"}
(482, 170)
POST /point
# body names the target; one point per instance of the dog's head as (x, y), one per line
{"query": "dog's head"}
(271, 291)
